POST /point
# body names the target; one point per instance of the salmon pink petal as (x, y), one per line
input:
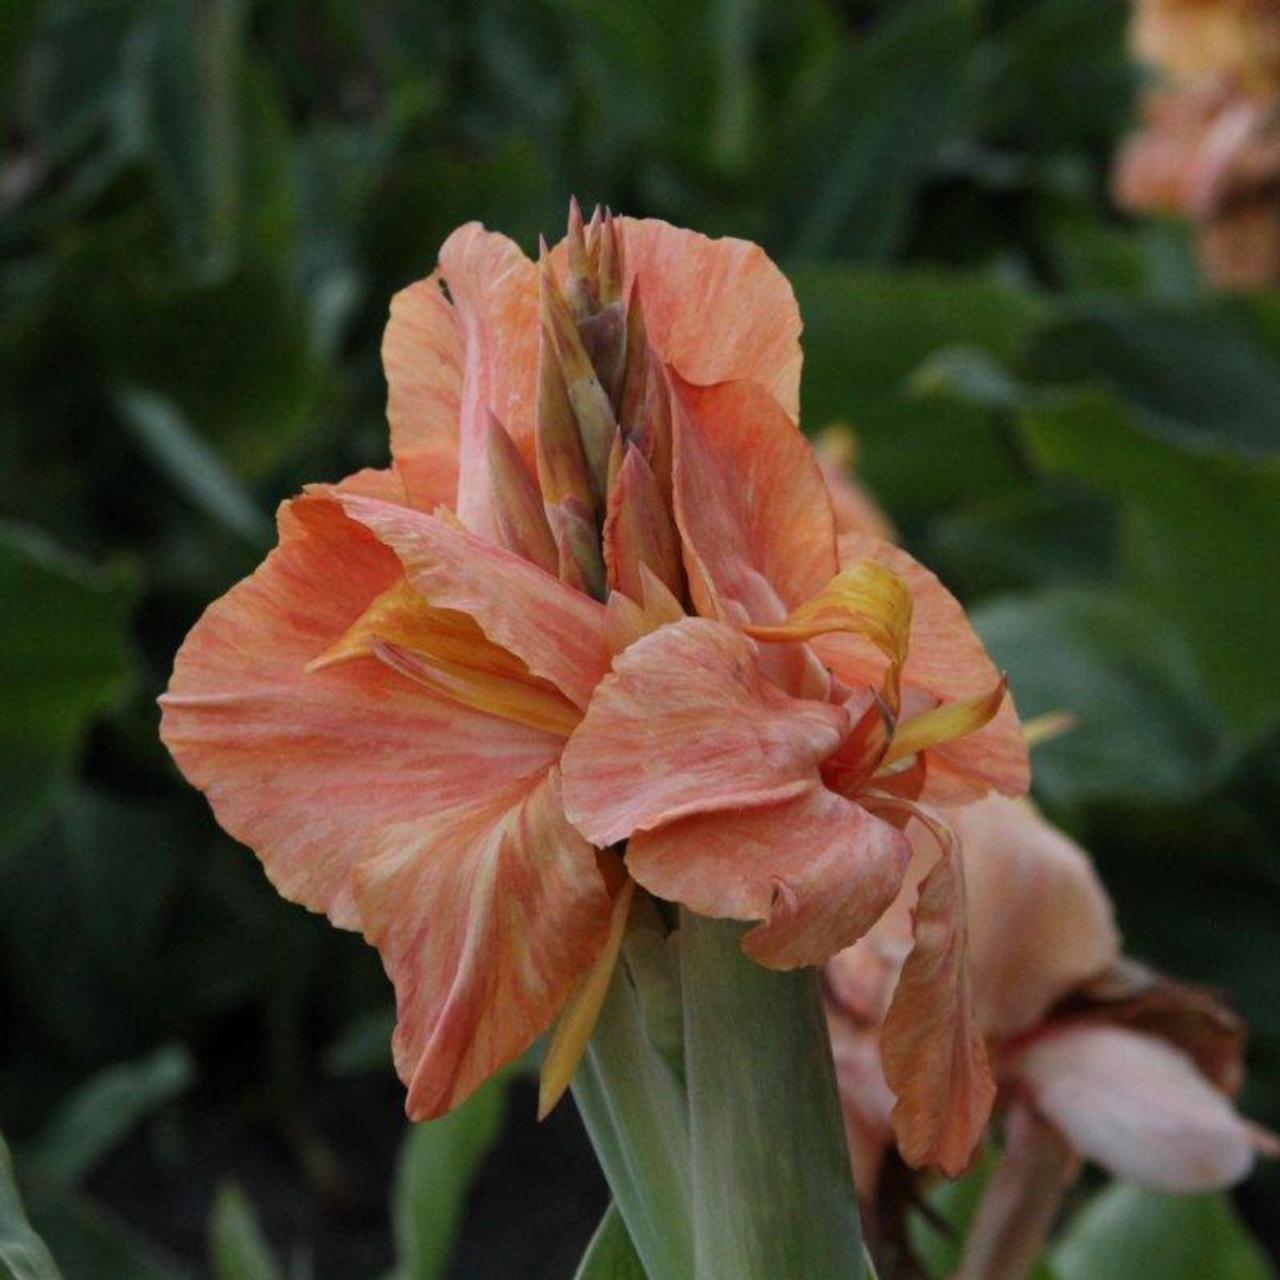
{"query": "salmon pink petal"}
(816, 869)
(946, 662)
(559, 633)
(934, 1057)
(1137, 1106)
(751, 504)
(685, 724)
(422, 355)
(1040, 922)
(494, 288)
(486, 915)
(715, 309)
(308, 768)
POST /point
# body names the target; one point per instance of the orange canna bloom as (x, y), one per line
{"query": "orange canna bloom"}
(457, 685)
(1094, 1057)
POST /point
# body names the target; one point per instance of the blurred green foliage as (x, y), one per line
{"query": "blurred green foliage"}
(204, 208)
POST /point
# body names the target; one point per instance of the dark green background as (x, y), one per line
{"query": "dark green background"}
(204, 208)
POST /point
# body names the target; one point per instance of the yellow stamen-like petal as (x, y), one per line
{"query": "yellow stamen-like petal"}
(943, 724)
(578, 1021)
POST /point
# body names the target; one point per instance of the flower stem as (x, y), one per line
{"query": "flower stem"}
(773, 1192)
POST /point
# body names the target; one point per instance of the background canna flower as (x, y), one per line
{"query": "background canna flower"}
(1095, 1057)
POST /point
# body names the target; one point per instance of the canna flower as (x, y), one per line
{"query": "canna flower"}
(1209, 146)
(598, 598)
(1095, 1058)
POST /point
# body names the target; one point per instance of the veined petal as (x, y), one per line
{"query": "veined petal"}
(559, 633)
(1040, 922)
(1137, 1106)
(486, 916)
(422, 354)
(715, 309)
(934, 1057)
(946, 662)
(815, 868)
(494, 288)
(308, 769)
(686, 724)
(756, 545)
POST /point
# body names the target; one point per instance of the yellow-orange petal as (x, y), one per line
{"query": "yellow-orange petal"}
(945, 662)
(559, 633)
(716, 310)
(494, 288)
(687, 723)
(578, 1021)
(422, 355)
(933, 1052)
(486, 915)
(1040, 921)
(944, 724)
(816, 869)
(308, 769)
(751, 504)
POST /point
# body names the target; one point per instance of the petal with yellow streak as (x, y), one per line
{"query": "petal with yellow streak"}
(486, 916)
(559, 633)
(308, 769)
(944, 724)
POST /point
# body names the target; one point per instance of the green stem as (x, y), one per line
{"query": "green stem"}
(634, 1110)
(772, 1188)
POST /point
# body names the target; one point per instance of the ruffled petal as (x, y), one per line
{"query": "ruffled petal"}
(1040, 922)
(494, 288)
(486, 915)
(308, 768)
(946, 662)
(422, 356)
(1137, 1106)
(816, 869)
(934, 1057)
(715, 309)
(751, 504)
(559, 633)
(687, 724)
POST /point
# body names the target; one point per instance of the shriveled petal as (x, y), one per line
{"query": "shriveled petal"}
(688, 724)
(422, 355)
(1040, 922)
(946, 662)
(934, 1057)
(494, 288)
(816, 869)
(308, 768)
(1137, 1106)
(715, 309)
(486, 915)
(559, 633)
(751, 504)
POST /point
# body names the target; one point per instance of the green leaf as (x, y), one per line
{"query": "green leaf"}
(893, 99)
(438, 1163)
(103, 1111)
(64, 659)
(867, 332)
(237, 1248)
(92, 1241)
(23, 1255)
(1144, 730)
(1126, 1233)
(610, 1255)
(364, 1046)
(177, 450)
(765, 1127)
(1202, 542)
